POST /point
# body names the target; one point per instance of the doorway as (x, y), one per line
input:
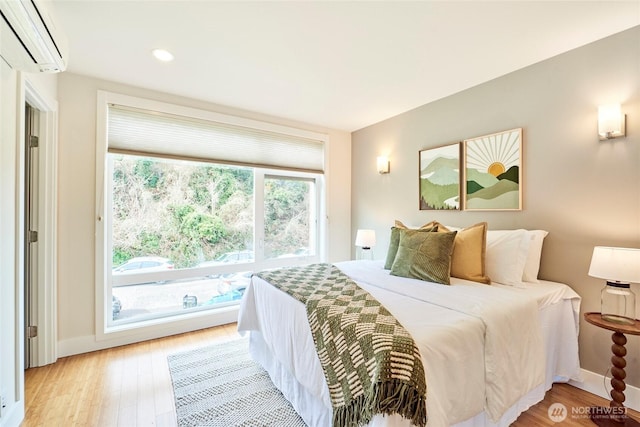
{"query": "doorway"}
(38, 201)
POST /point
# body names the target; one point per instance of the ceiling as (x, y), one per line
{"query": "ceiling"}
(338, 64)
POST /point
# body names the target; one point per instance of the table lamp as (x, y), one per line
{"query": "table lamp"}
(619, 267)
(366, 239)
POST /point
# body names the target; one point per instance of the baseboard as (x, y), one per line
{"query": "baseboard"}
(88, 343)
(598, 385)
(13, 415)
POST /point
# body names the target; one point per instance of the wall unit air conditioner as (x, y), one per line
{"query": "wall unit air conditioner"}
(29, 40)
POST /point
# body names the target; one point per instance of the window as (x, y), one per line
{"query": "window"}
(289, 214)
(188, 218)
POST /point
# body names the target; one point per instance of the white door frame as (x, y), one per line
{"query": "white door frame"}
(44, 347)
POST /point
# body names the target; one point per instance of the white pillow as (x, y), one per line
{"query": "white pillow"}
(532, 265)
(506, 256)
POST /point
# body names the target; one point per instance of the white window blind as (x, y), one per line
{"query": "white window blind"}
(149, 133)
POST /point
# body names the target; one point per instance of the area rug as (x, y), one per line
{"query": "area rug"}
(220, 385)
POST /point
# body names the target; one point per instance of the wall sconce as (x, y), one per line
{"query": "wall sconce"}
(383, 164)
(611, 122)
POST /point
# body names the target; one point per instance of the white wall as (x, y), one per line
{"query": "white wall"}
(77, 100)
(12, 98)
(11, 385)
(583, 191)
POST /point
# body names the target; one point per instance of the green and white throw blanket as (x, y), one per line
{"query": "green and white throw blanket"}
(371, 363)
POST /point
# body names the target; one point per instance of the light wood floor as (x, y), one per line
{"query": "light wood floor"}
(130, 386)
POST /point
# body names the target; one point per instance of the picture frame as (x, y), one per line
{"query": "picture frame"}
(493, 172)
(439, 177)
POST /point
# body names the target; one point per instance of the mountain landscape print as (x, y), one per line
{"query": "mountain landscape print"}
(440, 178)
(493, 171)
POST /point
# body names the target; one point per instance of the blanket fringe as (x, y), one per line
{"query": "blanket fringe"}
(390, 397)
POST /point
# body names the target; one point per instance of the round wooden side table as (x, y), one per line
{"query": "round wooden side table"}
(616, 414)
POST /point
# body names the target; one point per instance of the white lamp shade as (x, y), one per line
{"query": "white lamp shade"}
(616, 264)
(366, 238)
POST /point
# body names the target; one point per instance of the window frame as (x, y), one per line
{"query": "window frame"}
(193, 319)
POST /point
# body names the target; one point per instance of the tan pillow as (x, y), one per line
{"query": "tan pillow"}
(469, 252)
(399, 224)
(394, 240)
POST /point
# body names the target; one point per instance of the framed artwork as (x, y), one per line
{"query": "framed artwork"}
(440, 178)
(493, 171)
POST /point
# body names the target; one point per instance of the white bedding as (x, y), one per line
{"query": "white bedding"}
(483, 347)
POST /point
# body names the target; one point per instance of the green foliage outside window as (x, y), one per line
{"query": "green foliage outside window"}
(193, 212)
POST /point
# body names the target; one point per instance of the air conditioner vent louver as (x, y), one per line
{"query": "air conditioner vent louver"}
(29, 40)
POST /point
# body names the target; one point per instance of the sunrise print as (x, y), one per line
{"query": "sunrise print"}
(493, 171)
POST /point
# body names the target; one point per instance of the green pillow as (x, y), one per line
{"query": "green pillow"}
(425, 256)
(394, 240)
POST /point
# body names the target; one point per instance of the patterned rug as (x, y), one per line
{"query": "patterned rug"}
(220, 385)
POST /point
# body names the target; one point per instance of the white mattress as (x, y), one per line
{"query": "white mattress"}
(489, 352)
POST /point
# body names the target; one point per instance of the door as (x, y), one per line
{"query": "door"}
(30, 229)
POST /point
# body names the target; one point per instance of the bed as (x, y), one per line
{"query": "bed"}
(489, 352)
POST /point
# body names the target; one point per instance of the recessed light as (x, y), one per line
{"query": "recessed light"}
(162, 55)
